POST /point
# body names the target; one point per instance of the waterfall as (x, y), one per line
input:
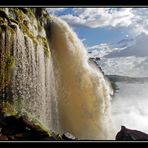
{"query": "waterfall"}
(64, 91)
(32, 87)
(82, 95)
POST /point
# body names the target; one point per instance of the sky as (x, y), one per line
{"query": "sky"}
(119, 36)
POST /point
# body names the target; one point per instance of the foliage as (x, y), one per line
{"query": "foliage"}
(8, 109)
(43, 40)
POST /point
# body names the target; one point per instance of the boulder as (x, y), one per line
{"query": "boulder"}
(126, 134)
(20, 127)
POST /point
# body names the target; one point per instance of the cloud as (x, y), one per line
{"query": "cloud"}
(55, 11)
(73, 20)
(130, 53)
(99, 17)
(129, 107)
(135, 19)
(105, 17)
(139, 21)
(138, 48)
(128, 66)
(102, 50)
(129, 60)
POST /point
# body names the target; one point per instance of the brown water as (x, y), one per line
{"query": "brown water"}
(83, 97)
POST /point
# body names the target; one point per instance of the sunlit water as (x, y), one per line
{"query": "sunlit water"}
(130, 106)
(64, 91)
(83, 95)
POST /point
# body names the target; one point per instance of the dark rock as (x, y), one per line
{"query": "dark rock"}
(11, 137)
(4, 15)
(3, 137)
(130, 135)
(12, 125)
(13, 26)
(20, 127)
(98, 59)
(24, 10)
(68, 136)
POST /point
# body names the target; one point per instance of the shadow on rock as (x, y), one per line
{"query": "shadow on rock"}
(126, 134)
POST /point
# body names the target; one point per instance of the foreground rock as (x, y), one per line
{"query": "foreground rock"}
(20, 128)
(130, 135)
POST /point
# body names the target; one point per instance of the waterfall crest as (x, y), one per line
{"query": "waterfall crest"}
(82, 96)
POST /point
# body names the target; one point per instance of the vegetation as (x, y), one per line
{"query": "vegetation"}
(7, 61)
(43, 40)
(8, 109)
(23, 126)
(39, 26)
(25, 10)
(19, 14)
(6, 66)
(16, 127)
(9, 21)
(1, 20)
(28, 32)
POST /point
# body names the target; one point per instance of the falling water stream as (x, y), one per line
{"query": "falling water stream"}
(64, 91)
(83, 97)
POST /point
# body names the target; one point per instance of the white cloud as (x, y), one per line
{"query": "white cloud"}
(133, 47)
(129, 107)
(102, 49)
(73, 20)
(100, 17)
(134, 18)
(139, 21)
(54, 11)
(128, 66)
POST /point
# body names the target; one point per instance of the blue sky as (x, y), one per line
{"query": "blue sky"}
(120, 37)
(117, 35)
(99, 35)
(92, 36)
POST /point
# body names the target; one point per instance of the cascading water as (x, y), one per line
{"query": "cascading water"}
(82, 96)
(32, 87)
(64, 91)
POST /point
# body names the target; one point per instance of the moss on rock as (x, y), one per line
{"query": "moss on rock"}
(20, 125)
(44, 42)
(7, 61)
(23, 126)
(8, 109)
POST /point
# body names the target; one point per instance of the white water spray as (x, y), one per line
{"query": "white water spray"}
(64, 91)
(83, 97)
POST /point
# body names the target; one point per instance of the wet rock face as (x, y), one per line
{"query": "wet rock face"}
(26, 71)
(13, 128)
(20, 128)
(68, 136)
(126, 134)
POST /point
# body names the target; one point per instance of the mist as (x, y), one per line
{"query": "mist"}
(129, 106)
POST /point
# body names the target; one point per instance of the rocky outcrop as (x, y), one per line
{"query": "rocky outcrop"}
(30, 22)
(26, 75)
(25, 61)
(24, 127)
(126, 134)
(20, 128)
